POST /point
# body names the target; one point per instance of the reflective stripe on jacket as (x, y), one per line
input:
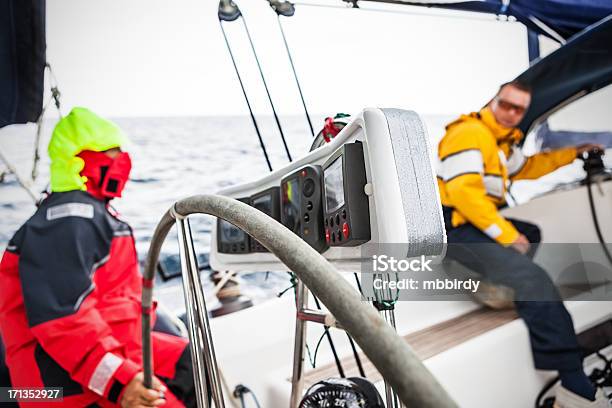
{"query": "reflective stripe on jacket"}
(478, 159)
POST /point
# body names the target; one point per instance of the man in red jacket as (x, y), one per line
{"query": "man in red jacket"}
(70, 286)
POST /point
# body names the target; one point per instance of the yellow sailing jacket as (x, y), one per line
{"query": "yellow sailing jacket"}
(478, 158)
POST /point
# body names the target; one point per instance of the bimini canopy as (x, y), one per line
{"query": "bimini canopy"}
(22, 60)
(583, 65)
(553, 18)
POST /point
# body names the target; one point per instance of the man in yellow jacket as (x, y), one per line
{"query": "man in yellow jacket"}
(479, 156)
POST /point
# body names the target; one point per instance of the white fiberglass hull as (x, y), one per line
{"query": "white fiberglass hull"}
(255, 346)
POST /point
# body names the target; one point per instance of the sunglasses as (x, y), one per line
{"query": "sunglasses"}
(508, 106)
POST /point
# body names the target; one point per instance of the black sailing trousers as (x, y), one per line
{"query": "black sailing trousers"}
(551, 330)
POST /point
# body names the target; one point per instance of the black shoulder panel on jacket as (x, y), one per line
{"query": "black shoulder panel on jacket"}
(68, 237)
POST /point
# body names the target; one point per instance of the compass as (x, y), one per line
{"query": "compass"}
(352, 392)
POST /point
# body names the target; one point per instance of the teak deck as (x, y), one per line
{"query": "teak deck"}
(426, 343)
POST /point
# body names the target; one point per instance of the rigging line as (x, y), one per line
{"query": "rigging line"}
(278, 124)
(547, 387)
(331, 343)
(21, 181)
(55, 93)
(246, 98)
(55, 96)
(313, 356)
(333, 6)
(39, 121)
(552, 33)
(243, 389)
(598, 232)
(410, 13)
(297, 82)
(356, 354)
(358, 283)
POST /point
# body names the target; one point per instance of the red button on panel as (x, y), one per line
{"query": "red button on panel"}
(327, 236)
(345, 230)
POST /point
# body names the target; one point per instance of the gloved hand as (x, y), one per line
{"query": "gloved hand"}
(521, 244)
(587, 147)
(136, 395)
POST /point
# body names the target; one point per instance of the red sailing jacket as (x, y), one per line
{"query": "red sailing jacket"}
(70, 301)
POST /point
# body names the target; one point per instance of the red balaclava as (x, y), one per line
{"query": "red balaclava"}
(106, 177)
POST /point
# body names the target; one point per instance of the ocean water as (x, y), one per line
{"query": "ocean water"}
(172, 158)
(177, 157)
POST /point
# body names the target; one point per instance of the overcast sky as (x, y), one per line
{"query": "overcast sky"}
(168, 58)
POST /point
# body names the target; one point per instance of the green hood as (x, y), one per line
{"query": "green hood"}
(80, 130)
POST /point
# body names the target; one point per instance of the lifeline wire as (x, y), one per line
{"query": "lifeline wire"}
(297, 82)
(263, 79)
(246, 98)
